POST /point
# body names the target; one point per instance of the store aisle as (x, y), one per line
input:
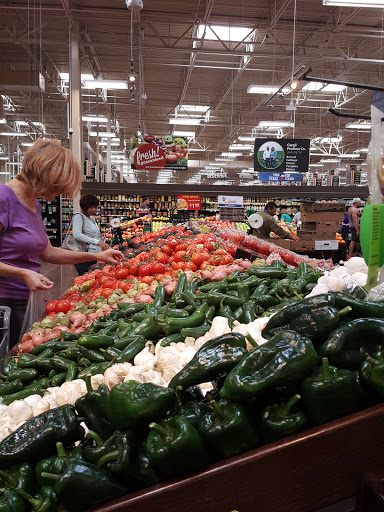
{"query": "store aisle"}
(61, 275)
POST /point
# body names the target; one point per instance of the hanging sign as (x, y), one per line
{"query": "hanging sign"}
(282, 155)
(335, 181)
(356, 178)
(230, 201)
(149, 156)
(189, 202)
(160, 152)
(274, 176)
(217, 174)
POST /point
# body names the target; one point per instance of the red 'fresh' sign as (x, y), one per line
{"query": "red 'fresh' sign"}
(149, 156)
(189, 202)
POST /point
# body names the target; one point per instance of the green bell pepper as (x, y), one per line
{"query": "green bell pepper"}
(227, 430)
(314, 318)
(249, 312)
(285, 359)
(83, 486)
(302, 269)
(11, 501)
(372, 373)
(175, 447)
(37, 437)
(51, 465)
(348, 345)
(330, 393)
(280, 420)
(132, 405)
(215, 357)
(93, 408)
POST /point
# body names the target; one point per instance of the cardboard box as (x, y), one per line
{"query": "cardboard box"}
(281, 242)
(308, 235)
(322, 217)
(320, 227)
(303, 245)
(322, 207)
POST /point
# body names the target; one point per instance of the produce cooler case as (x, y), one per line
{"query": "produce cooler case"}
(302, 473)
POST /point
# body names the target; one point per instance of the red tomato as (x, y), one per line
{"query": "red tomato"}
(126, 286)
(188, 265)
(63, 306)
(185, 151)
(220, 251)
(103, 279)
(122, 273)
(147, 280)
(166, 250)
(157, 268)
(161, 257)
(75, 297)
(179, 265)
(51, 306)
(106, 292)
(208, 246)
(145, 269)
(199, 257)
(182, 246)
(110, 284)
(177, 148)
(180, 256)
(172, 243)
(226, 260)
(52, 314)
(180, 154)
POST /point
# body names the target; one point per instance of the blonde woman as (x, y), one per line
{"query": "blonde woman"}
(48, 170)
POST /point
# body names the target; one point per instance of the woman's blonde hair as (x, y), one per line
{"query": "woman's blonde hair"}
(49, 168)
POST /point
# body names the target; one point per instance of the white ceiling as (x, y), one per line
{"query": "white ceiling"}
(179, 63)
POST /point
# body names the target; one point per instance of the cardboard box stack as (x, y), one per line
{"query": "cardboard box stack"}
(320, 221)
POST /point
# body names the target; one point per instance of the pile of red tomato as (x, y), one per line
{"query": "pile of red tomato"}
(164, 258)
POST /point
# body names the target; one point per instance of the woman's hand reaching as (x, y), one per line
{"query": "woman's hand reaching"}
(103, 245)
(109, 256)
(36, 281)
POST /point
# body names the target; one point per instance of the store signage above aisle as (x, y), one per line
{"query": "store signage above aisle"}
(189, 202)
(160, 152)
(280, 177)
(217, 174)
(230, 201)
(291, 155)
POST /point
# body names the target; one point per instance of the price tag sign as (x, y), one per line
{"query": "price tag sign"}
(189, 202)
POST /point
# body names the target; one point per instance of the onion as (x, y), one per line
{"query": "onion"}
(245, 264)
(219, 274)
(27, 346)
(130, 301)
(147, 299)
(38, 339)
(206, 274)
(77, 319)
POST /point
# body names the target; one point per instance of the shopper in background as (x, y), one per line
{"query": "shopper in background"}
(144, 207)
(296, 218)
(48, 170)
(354, 226)
(271, 225)
(344, 226)
(284, 215)
(85, 229)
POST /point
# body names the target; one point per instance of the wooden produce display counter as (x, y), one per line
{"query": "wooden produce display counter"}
(301, 473)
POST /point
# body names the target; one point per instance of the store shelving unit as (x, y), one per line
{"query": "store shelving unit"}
(51, 215)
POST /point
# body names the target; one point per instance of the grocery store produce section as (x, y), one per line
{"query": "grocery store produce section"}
(179, 357)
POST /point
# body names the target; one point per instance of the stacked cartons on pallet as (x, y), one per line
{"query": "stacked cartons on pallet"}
(232, 214)
(320, 221)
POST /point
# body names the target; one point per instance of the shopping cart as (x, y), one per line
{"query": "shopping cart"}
(5, 319)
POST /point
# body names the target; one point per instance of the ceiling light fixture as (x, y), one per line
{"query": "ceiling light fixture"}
(350, 155)
(14, 134)
(247, 139)
(106, 84)
(182, 133)
(240, 146)
(194, 108)
(186, 121)
(132, 77)
(102, 134)
(329, 161)
(294, 85)
(378, 4)
(2, 121)
(275, 124)
(4, 157)
(265, 89)
(224, 159)
(359, 126)
(231, 154)
(95, 119)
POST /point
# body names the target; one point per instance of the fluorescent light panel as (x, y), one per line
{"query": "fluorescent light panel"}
(194, 108)
(223, 159)
(225, 33)
(378, 4)
(112, 143)
(275, 124)
(231, 154)
(247, 139)
(2, 121)
(95, 119)
(186, 121)
(106, 84)
(265, 89)
(359, 126)
(240, 146)
(330, 160)
(182, 133)
(102, 134)
(350, 155)
(14, 134)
